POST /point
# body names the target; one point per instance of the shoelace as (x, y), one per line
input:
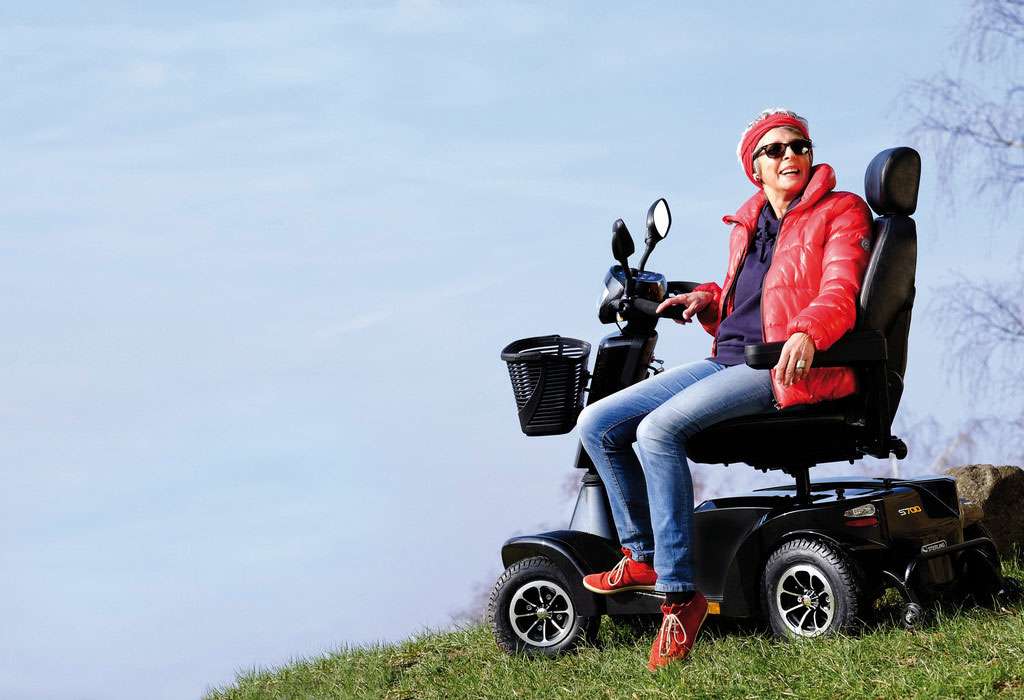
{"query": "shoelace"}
(615, 575)
(670, 626)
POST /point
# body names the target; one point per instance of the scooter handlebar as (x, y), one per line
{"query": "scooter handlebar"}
(650, 309)
(638, 308)
(678, 287)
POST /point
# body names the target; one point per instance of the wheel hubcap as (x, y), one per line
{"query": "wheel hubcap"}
(541, 613)
(804, 600)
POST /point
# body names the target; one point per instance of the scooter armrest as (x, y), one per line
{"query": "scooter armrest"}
(854, 348)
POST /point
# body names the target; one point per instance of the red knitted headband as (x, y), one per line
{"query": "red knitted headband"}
(761, 126)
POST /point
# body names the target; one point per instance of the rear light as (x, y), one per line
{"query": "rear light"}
(862, 516)
(862, 522)
(863, 511)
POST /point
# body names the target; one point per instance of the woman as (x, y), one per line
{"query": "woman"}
(797, 255)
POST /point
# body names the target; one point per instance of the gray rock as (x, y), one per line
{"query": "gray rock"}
(999, 491)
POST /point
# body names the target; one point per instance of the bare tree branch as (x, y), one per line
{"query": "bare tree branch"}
(971, 134)
(995, 27)
(984, 326)
(975, 122)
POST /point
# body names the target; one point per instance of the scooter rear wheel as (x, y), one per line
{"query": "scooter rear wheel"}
(532, 612)
(809, 589)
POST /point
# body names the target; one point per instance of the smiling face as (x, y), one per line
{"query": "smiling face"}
(788, 174)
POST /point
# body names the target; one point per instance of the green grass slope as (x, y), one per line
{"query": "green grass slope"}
(971, 653)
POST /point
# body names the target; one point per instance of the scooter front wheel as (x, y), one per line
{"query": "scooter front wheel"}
(532, 612)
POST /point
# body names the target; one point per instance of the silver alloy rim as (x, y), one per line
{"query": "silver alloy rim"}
(804, 600)
(541, 613)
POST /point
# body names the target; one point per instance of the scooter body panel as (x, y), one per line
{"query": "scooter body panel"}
(734, 536)
(592, 513)
(622, 360)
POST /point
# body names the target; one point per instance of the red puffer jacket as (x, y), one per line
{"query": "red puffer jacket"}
(821, 252)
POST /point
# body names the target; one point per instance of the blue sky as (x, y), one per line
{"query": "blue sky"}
(260, 262)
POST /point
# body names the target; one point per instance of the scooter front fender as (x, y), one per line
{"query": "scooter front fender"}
(575, 553)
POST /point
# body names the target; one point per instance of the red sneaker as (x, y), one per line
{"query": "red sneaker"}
(679, 628)
(628, 575)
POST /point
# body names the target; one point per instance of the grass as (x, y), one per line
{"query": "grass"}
(969, 653)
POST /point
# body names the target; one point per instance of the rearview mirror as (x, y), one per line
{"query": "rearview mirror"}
(659, 220)
(622, 244)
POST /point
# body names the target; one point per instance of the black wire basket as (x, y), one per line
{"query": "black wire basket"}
(549, 374)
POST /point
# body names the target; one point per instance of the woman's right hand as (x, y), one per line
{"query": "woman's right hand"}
(695, 302)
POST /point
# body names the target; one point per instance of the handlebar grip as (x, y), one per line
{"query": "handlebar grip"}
(675, 312)
(681, 287)
(650, 308)
(645, 307)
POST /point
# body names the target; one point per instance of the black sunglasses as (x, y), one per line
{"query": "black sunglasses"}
(776, 150)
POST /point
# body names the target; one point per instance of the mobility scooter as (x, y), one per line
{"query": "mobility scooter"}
(808, 557)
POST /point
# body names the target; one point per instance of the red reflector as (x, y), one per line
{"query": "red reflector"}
(862, 522)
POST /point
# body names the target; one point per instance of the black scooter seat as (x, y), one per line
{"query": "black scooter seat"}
(828, 431)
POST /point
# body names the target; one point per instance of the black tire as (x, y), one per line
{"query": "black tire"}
(809, 588)
(520, 620)
(975, 530)
(979, 580)
(1012, 591)
(912, 616)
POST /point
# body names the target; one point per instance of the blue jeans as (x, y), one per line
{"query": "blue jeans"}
(653, 504)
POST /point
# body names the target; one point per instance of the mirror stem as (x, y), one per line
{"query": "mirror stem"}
(643, 260)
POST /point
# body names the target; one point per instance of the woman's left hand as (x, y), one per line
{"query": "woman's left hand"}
(798, 347)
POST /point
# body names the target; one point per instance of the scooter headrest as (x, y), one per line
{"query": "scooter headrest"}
(892, 180)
